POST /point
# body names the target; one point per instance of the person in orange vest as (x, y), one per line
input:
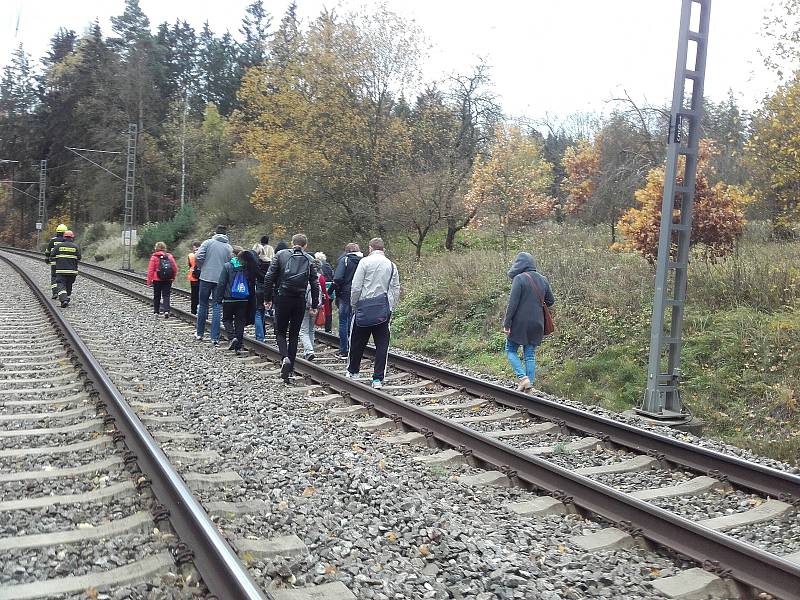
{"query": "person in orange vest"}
(194, 277)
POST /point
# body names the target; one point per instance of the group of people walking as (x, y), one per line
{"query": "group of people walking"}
(299, 290)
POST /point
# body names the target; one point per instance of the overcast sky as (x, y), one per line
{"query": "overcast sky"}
(548, 56)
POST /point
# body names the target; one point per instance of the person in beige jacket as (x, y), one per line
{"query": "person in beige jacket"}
(374, 294)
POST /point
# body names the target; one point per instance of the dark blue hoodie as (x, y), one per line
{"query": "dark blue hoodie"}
(524, 314)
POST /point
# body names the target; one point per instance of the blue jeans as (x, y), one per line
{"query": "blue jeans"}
(529, 352)
(345, 316)
(259, 323)
(206, 289)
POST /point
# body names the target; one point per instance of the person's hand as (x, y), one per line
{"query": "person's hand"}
(313, 311)
(268, 305)
(506, 330)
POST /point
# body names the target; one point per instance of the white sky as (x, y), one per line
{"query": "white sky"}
(548, 56)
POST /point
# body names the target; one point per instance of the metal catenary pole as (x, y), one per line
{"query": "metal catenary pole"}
(662, 399)
(42, 214)
(130, 189)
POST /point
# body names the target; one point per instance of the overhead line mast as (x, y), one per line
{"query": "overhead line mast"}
(662, 398)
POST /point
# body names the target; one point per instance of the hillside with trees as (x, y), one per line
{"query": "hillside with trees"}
(327, 126)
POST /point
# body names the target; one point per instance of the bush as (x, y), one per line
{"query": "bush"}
(94, 233)
(166, 231)
(228, 197)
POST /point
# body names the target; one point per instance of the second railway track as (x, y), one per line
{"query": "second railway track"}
(579, 459)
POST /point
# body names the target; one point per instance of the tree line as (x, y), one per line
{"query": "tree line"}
(326, 126)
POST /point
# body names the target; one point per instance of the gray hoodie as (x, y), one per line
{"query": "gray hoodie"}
(212, 256)
(524, 315)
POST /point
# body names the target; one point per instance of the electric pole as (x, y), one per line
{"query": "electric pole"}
(128, 230)
(42, 215)
(662, 400)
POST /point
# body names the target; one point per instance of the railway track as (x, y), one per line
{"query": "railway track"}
(577, 461)
(96, 471)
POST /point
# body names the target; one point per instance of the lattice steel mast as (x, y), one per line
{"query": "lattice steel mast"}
(662, 398)
(130, 191)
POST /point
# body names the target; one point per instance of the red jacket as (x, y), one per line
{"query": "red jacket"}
(152, 269)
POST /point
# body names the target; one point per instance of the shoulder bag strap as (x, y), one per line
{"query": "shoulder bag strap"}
(535, 288)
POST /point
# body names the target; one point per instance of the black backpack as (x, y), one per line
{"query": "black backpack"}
(165, 271)
(296, 273)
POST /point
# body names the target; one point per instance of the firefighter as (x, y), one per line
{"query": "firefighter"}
(68, 253)
(49, 257)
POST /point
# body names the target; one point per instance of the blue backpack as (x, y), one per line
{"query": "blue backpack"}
(240, 289)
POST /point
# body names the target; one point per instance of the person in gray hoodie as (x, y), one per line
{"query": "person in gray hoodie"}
(524, 319)
(211, 257)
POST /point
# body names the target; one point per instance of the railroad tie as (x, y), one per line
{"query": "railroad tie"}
(695, 583)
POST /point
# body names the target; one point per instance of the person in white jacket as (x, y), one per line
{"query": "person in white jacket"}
(374, 294)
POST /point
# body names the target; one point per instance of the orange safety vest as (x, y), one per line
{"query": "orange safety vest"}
(192, 263)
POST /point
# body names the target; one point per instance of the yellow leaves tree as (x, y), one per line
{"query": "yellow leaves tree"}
(320, 121)
(509, 187)
(718, 213)
(773, 155)
(582, 165)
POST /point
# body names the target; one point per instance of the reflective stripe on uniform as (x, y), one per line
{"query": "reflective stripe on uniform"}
(67, 271)
(67, 249)
(67, 256)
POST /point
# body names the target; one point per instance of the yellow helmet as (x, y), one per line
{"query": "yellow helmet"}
(61, 228)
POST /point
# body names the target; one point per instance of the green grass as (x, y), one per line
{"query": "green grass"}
(741, 356)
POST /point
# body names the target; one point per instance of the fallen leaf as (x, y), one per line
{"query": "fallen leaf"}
(655, 572)
(391, 536)
(330, 569)
(424, 550)
(91, 593)
(308, 491)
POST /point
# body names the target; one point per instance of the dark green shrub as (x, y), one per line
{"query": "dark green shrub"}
(95, 232)
(168, 232)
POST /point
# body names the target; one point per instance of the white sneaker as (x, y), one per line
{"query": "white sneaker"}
(377, 384)
(198, 337)
(350, 375)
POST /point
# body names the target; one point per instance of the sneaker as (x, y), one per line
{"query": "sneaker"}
(64, 304)
(350, 375)
(198, 337)
(238, 352)
(232, 345)
(286, 369)
(377, 384)
(342, 355)
(215, 343)
(524, 384)
(310, 356)
(167, 315)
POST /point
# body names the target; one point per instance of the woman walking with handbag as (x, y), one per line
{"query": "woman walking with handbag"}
(527, 318)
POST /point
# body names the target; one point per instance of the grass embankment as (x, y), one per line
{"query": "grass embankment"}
(741, 356)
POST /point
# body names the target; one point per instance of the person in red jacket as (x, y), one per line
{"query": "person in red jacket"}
(160, 274)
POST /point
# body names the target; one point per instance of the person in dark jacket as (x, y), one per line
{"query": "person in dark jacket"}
(343, 281)
(281, 246)
(290, 274)
(524, 320)
(49, 257)
(265, 253)
(68, 253)
(234, 289)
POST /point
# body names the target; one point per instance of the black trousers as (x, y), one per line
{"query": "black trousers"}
(234, 318)
(329, 318)
(359, 336)
(64, 284)
(53, 282)
(289, 314)
(195, 296)
(161, 290)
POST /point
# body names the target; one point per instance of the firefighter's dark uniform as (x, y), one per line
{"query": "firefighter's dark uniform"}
(50, 259)
(68, 253)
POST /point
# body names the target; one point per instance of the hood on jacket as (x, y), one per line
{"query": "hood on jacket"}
(523, 262)
(220, 237)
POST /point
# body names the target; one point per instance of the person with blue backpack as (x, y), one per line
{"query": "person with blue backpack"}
(234, 289)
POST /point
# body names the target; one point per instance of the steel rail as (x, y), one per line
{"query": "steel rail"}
(740, 472)
(741, 561)
(219, 567)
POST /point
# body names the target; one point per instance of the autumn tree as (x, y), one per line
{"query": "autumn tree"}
(509, 187)
(773, 154)
(718, 212)
(320, 121)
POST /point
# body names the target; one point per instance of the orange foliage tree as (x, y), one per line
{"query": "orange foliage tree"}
(718, 215)
(582, 165)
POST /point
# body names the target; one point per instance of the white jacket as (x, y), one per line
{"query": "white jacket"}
(374, 276)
